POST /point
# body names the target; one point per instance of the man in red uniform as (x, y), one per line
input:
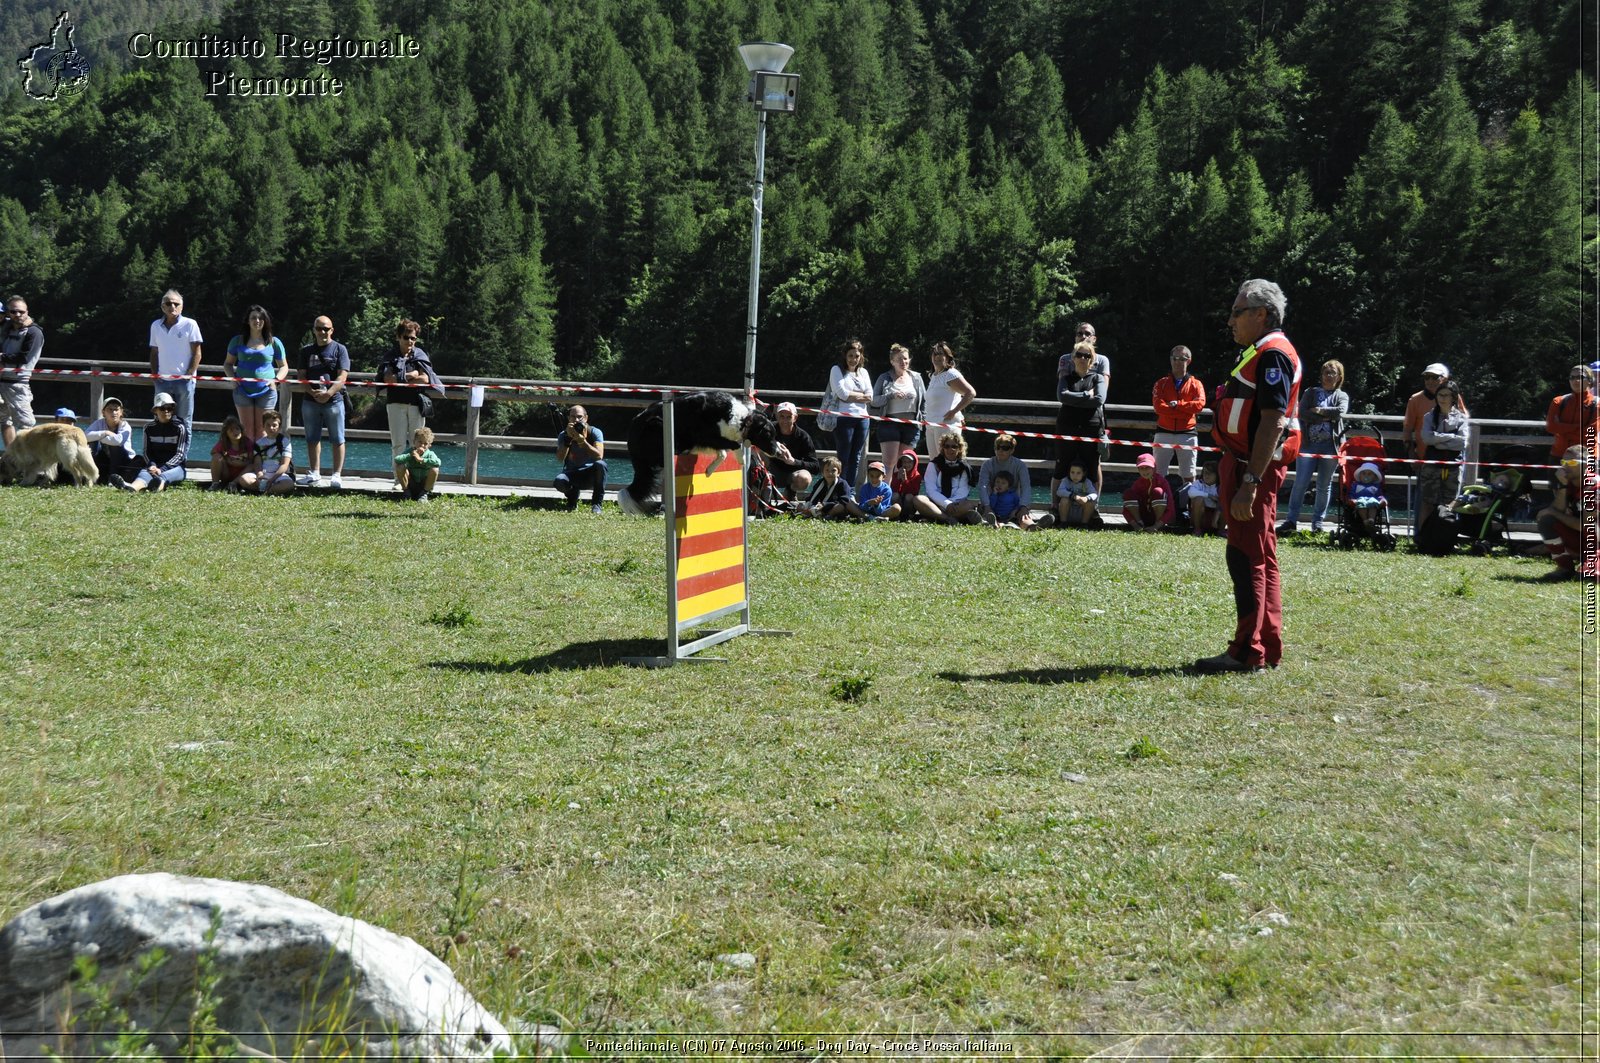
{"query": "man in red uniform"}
(1260, 437)
(1571, 417)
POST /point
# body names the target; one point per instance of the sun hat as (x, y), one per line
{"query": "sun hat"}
(162, 400)
(1436, 369)
(67, 413)
(1146, 461)
(788, 407)
(876, 465)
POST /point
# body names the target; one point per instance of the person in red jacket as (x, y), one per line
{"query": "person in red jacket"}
(1258, 429)
(1571, 417)
(1178, 399)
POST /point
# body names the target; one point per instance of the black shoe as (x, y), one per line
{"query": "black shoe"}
(1222, 662)
(118, 482)
(572, 503)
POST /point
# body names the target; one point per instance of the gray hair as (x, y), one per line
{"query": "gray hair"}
(172, 291)
(1258, 292)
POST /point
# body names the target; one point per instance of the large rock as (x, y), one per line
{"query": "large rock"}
(283, 966)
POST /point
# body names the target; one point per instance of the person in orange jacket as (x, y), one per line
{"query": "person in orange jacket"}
(1178, 399)
(1571, 418)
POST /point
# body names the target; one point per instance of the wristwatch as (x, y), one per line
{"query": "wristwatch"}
(1249, 478)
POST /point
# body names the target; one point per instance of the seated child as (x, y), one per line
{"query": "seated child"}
(1205, 510)
(1366, 495)
(1561, 522)
(418, 467)
(828, 493)
(1004, 504)
(906, 483)
(874, 499)
(231, 456)
(1076, 498)
(1144, 503)
(111, 443)
(272, 471)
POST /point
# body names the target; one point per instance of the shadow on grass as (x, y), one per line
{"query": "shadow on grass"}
(367, 514)
(1082, 674)
(537, 503)
(602, 653)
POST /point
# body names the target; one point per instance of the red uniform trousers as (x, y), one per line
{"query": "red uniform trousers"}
(1252, 556)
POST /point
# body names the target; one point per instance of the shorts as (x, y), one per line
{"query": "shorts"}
(323, 416)
(18, 409)
(905, 434)
(267, 400)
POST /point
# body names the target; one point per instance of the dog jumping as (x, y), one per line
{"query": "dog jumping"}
(704, 422)
(39, 452)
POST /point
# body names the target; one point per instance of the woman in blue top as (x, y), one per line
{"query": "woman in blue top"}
(257, 361)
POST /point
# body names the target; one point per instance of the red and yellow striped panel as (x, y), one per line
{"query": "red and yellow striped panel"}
(709, 533)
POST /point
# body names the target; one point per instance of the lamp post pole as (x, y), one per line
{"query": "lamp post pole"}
(751, 326)
(770, 90)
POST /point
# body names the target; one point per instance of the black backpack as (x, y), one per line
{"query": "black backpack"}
(1438, 534)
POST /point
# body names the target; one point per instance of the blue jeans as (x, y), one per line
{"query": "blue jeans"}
(850, 442)
(1326, 465)
(571, 482)
(182, 392)
(168, 476)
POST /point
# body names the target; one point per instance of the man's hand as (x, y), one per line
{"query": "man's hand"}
(1244, 502)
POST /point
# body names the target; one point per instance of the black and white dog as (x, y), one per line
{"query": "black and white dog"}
(702, 421)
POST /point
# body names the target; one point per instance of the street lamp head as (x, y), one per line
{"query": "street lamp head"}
(764, 55)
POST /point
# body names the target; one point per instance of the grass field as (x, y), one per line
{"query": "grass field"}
(974, 792)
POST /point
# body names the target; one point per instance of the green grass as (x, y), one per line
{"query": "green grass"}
(974, 791)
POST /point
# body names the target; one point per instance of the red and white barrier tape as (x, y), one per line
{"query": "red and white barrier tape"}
(565, 389)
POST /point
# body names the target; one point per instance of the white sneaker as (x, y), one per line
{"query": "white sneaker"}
(307, 480)
(337, 483)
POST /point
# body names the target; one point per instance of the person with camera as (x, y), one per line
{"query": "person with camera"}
(582, 453)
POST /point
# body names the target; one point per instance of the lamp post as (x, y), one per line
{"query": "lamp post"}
(770, 90)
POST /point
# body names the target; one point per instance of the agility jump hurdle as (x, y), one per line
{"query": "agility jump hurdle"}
(703, 497)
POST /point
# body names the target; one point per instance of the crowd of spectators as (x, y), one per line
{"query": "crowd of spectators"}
(1173, 487)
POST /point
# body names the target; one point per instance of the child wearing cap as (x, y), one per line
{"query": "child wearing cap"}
(874, 499)
(1366, 494)
(111, 442)
(1145, 502)
(1561, 522)
(166, 448)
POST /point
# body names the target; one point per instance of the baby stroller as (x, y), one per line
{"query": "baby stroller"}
(1484, 510)
(1356, 451)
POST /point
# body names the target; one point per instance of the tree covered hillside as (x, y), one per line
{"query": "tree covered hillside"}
(561, 189)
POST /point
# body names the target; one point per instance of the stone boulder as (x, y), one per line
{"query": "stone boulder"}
(284, 971)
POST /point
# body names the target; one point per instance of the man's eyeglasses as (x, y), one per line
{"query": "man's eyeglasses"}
(1236, 311)
(949, 446)
(1005, 446)
(322, 328)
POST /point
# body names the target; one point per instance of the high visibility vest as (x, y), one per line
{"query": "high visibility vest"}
(1236, 408)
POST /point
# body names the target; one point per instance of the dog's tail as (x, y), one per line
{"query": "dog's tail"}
(78, 460)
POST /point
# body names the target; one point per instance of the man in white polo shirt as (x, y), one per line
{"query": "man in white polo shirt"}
(175, 354)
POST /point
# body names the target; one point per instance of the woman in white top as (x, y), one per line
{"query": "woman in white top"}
(947, 485)
(851, 390)
(898, 392)
(948, 395)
